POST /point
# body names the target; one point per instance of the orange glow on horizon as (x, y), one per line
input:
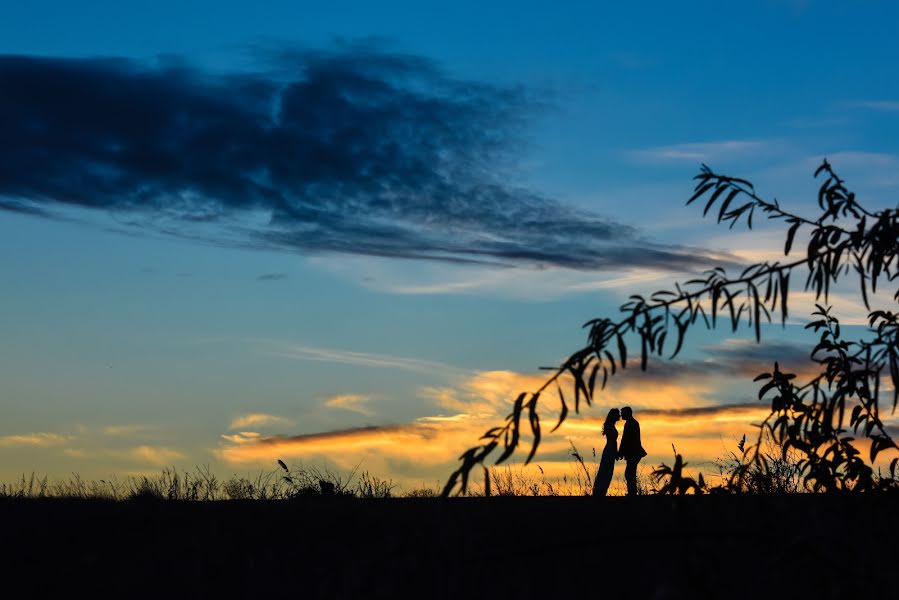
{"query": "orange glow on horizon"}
(669, 411)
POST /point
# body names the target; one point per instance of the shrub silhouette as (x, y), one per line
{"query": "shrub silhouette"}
(674, 481)
(812, 419)
(782, 475)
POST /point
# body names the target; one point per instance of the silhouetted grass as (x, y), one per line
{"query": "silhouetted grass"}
(281, 484)
(304, 481)
(202, 484)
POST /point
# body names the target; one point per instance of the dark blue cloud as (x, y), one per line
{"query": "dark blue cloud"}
(740, 358)
(748, 359)
(355, 151)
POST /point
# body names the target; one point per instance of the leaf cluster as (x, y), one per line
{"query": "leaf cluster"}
(821, 418)
(673, 481)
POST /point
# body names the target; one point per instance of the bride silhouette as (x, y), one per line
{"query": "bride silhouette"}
(607, 461)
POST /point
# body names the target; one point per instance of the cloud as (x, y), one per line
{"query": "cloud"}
(272, 277)
(243, 437)
(483, 394)
(489, 395)
(733, 360)
(429, 447)
(845, 303)
(40, 440)
(352, 402)
(685, 404)
(710, 411)
(124, 430)
(701, 151)
(365, 359)
(155, 455)
(22, 208)
(689, 404)
(248, 447)
(355, 151)
(745, 358)
(257, 420)
(536, 284)
(461, 414)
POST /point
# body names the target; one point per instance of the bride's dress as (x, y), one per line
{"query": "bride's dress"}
(606, 464)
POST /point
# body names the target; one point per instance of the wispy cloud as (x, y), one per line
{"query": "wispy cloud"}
(709, 412)
(156, 455)
(352, 402)
(529, 284)
(125, 430)
(847, 305)
(745, 358)
(243, 437)
(482, 394)
(257, 420)
(701, 151)
(40, 439)
(145, 454)
(353, 151)
(427, 441)
(366, 359)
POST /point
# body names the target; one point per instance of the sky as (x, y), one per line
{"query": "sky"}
(348, 235)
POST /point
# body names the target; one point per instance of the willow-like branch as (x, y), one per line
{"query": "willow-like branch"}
(665, 317)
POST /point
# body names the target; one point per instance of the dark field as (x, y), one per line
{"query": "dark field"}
(652, 547)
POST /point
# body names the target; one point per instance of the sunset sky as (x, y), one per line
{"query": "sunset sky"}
(340, 234)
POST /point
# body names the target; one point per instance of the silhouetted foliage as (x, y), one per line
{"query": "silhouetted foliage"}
(672, 480)
(303, 482)
(779, 471)
(845, 239)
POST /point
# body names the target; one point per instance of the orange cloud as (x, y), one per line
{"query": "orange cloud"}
(243, 437)
(487, 393)
(410, 440)
(676, 404)
(352, 402)
(41, 440)
(153, 455)
(257, 420)
(670, 409)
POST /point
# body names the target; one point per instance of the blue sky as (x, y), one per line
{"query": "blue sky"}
(151, 308)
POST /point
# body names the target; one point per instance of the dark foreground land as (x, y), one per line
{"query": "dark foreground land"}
(645, 547)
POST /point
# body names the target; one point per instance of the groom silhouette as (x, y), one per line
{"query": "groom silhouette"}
(630, 449)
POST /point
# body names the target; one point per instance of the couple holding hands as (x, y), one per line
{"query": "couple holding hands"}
(631, 450)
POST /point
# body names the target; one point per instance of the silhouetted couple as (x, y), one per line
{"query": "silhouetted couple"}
(631, 450)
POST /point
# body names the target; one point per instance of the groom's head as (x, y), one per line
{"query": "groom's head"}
(626, 412)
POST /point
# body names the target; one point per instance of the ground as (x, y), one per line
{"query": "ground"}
(645, 547)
